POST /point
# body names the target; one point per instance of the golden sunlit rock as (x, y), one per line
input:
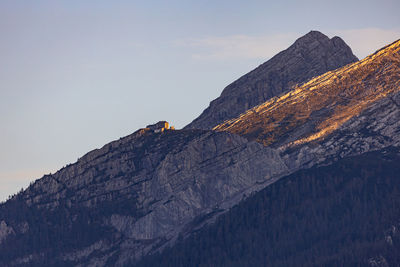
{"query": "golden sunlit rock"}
(320, 106)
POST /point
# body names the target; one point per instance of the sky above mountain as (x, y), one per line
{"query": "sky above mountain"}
(78, 74)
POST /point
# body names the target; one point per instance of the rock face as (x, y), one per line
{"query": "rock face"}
(343, 214)
(349, 111)
(329, 104)
(135, 195)
(311, 55)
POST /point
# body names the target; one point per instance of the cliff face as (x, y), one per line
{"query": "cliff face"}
(135, 195)
(311, 55)
(344, 214)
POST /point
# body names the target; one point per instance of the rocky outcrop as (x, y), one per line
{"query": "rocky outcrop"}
(311, 55)
(159, 127)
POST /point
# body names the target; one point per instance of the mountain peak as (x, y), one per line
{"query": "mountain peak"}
(319, 107)
(315, 38)
(309, 56)
(316, 35)
(322, 44)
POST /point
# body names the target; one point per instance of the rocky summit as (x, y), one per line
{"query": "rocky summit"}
(353, 109)
(142, 194)
(311, 55)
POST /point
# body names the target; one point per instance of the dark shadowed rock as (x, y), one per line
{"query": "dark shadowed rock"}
(311, 55)
(132, 197)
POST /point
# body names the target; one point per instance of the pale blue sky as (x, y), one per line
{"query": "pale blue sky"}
(75, 75)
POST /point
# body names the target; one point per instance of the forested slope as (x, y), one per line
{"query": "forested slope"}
(345, 214)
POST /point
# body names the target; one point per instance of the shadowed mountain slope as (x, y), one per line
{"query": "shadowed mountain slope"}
(131, 197)
(311, 55)
(345, 214)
